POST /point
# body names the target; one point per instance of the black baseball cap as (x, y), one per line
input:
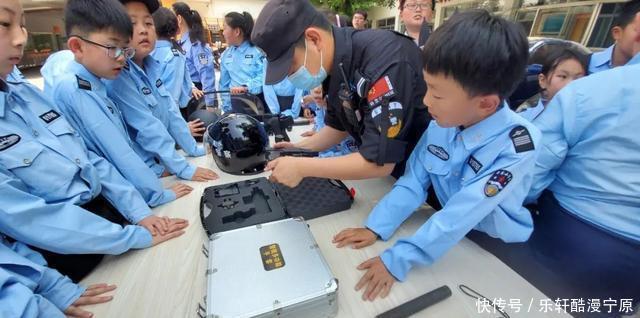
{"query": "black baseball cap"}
(152, 5)
(278, 27)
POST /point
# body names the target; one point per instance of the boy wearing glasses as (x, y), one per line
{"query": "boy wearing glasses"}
(98, 40)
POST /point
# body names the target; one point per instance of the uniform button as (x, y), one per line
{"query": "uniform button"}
(462, 178)
(455, 174)
(36, 133)
(26, 161)
(77, 161)
(429, 168)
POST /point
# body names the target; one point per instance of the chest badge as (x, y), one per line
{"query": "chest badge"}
(438, 152)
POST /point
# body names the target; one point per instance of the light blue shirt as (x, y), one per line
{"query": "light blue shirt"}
(30, 289)
(174, 73)
(590, 154)
(241, 66)
(531, 113)
(346, 146)
(601, 61)
(15, 75)
(284, 88)
(46, 172)
(152, 118)
(54, 67)
(82, 98)
(480, 177)
(199, 61)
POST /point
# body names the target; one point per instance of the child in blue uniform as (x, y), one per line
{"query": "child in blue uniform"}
(477, 154)
(198, 53)
(560, 66)
(242, 63)
(148, 108)
(57, 196)
(174, 73)
(82, 96)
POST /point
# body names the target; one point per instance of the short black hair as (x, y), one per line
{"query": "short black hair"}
(402, 2)
(362, 13)
(627, 14)
(485, 54)
(83, 17)
(166, 23)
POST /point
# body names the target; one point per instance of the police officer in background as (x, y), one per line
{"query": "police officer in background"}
(374, 83)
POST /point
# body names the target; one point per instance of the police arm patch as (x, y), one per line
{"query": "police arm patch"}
(83, 83)
(8, 141)
(521, 139)
(202, 58)
(498, 181)
(438, 152)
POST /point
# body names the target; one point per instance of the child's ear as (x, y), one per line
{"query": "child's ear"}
(489, 103)
(616, 33)
(75, 45)
(542, 81)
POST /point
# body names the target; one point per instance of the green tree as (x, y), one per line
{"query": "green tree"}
(349, 6)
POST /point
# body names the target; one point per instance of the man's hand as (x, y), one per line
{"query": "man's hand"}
(204, 174)
(318, 97)
(196, 127)
(285, 170)
(238, 90)
(197, 93)
(181, 189)
(91, 296)
(155, 224)
(357, 238)
(307, 113)
(176, 227)
(377, 279)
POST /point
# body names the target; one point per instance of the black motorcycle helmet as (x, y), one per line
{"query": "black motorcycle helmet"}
(238, 144)
(207, 117)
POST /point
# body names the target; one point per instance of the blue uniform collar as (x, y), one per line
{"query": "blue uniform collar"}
(603, 58)
(83, 73)
(635, 60)
(184, 39)
(4, 94)
(243, 47)
(480, 133)
(163, 43)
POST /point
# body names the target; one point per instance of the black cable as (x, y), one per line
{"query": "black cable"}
(474, 294)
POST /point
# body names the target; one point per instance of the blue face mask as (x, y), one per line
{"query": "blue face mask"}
(303, 79)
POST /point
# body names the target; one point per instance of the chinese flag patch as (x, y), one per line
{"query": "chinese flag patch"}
(381, 88)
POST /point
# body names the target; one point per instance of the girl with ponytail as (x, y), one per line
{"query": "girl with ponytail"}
(242, 63)
(199, 57)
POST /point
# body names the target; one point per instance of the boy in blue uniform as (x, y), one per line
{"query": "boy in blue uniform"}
(586, 186)
(82, 96)
(148, 109)
(624, 34)
(56, 195)
(477, 154)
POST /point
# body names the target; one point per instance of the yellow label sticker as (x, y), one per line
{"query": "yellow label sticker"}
(271, 257)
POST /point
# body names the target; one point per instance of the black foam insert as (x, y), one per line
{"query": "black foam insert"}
(241, 204)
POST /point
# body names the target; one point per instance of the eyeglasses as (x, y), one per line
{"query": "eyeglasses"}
(414, 6)
(113, 52)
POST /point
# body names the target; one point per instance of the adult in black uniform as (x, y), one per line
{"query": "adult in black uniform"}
(374, 83)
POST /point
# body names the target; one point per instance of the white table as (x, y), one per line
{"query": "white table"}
(169, 280)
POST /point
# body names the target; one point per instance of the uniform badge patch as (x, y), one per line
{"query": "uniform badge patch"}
(497, 182)
(50, 116)
(438, 152)
(8, 141)
(248, 56)
(521, 139)
(202, 58)
(146, 90)
(175, 52)
(474, 164)
(381, 88)
(83, 83)
(158, 83)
